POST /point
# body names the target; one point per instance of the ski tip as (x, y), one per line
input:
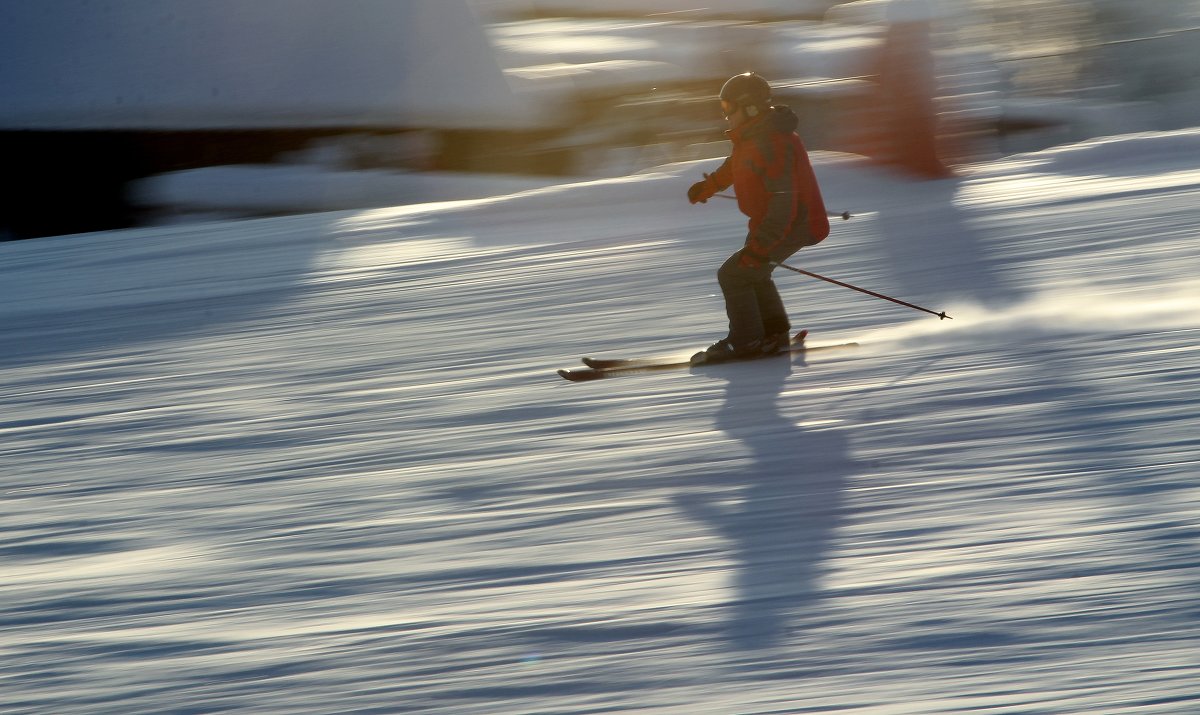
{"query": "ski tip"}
(800, 336)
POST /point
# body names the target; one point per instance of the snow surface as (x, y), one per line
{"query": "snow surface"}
(323, 464)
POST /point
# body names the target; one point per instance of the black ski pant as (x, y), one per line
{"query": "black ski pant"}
(752, 301)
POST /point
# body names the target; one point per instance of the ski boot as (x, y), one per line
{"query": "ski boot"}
(772, 343)
(723, 350)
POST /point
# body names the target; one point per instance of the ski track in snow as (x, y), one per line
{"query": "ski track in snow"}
(323, 464)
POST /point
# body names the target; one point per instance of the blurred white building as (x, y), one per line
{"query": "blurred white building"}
(119, 90)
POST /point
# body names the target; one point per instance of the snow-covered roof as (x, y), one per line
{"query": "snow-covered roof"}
(177, 64)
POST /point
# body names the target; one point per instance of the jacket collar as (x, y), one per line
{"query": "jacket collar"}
(750, 128)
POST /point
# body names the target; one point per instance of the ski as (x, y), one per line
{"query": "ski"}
(638, 366)
(608, 364)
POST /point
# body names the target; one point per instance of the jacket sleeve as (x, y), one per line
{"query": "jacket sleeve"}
(722, 178)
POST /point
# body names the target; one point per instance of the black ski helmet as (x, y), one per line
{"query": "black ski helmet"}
(747, 90)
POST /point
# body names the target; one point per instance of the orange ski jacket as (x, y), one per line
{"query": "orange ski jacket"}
(771, 174)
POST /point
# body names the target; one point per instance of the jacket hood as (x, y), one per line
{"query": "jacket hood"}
(779, 118)
(783, 119)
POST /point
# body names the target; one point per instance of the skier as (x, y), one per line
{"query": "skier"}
(775, 186)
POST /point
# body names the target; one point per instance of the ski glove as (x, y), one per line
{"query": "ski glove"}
(701, 191)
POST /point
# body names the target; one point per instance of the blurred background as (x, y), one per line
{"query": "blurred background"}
(135, 112)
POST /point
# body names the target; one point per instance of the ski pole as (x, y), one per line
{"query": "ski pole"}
(845, 215)
(942, 315)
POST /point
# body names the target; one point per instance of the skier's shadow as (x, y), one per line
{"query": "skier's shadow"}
(780, 525)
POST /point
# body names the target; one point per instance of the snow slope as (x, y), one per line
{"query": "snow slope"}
(323, 464)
